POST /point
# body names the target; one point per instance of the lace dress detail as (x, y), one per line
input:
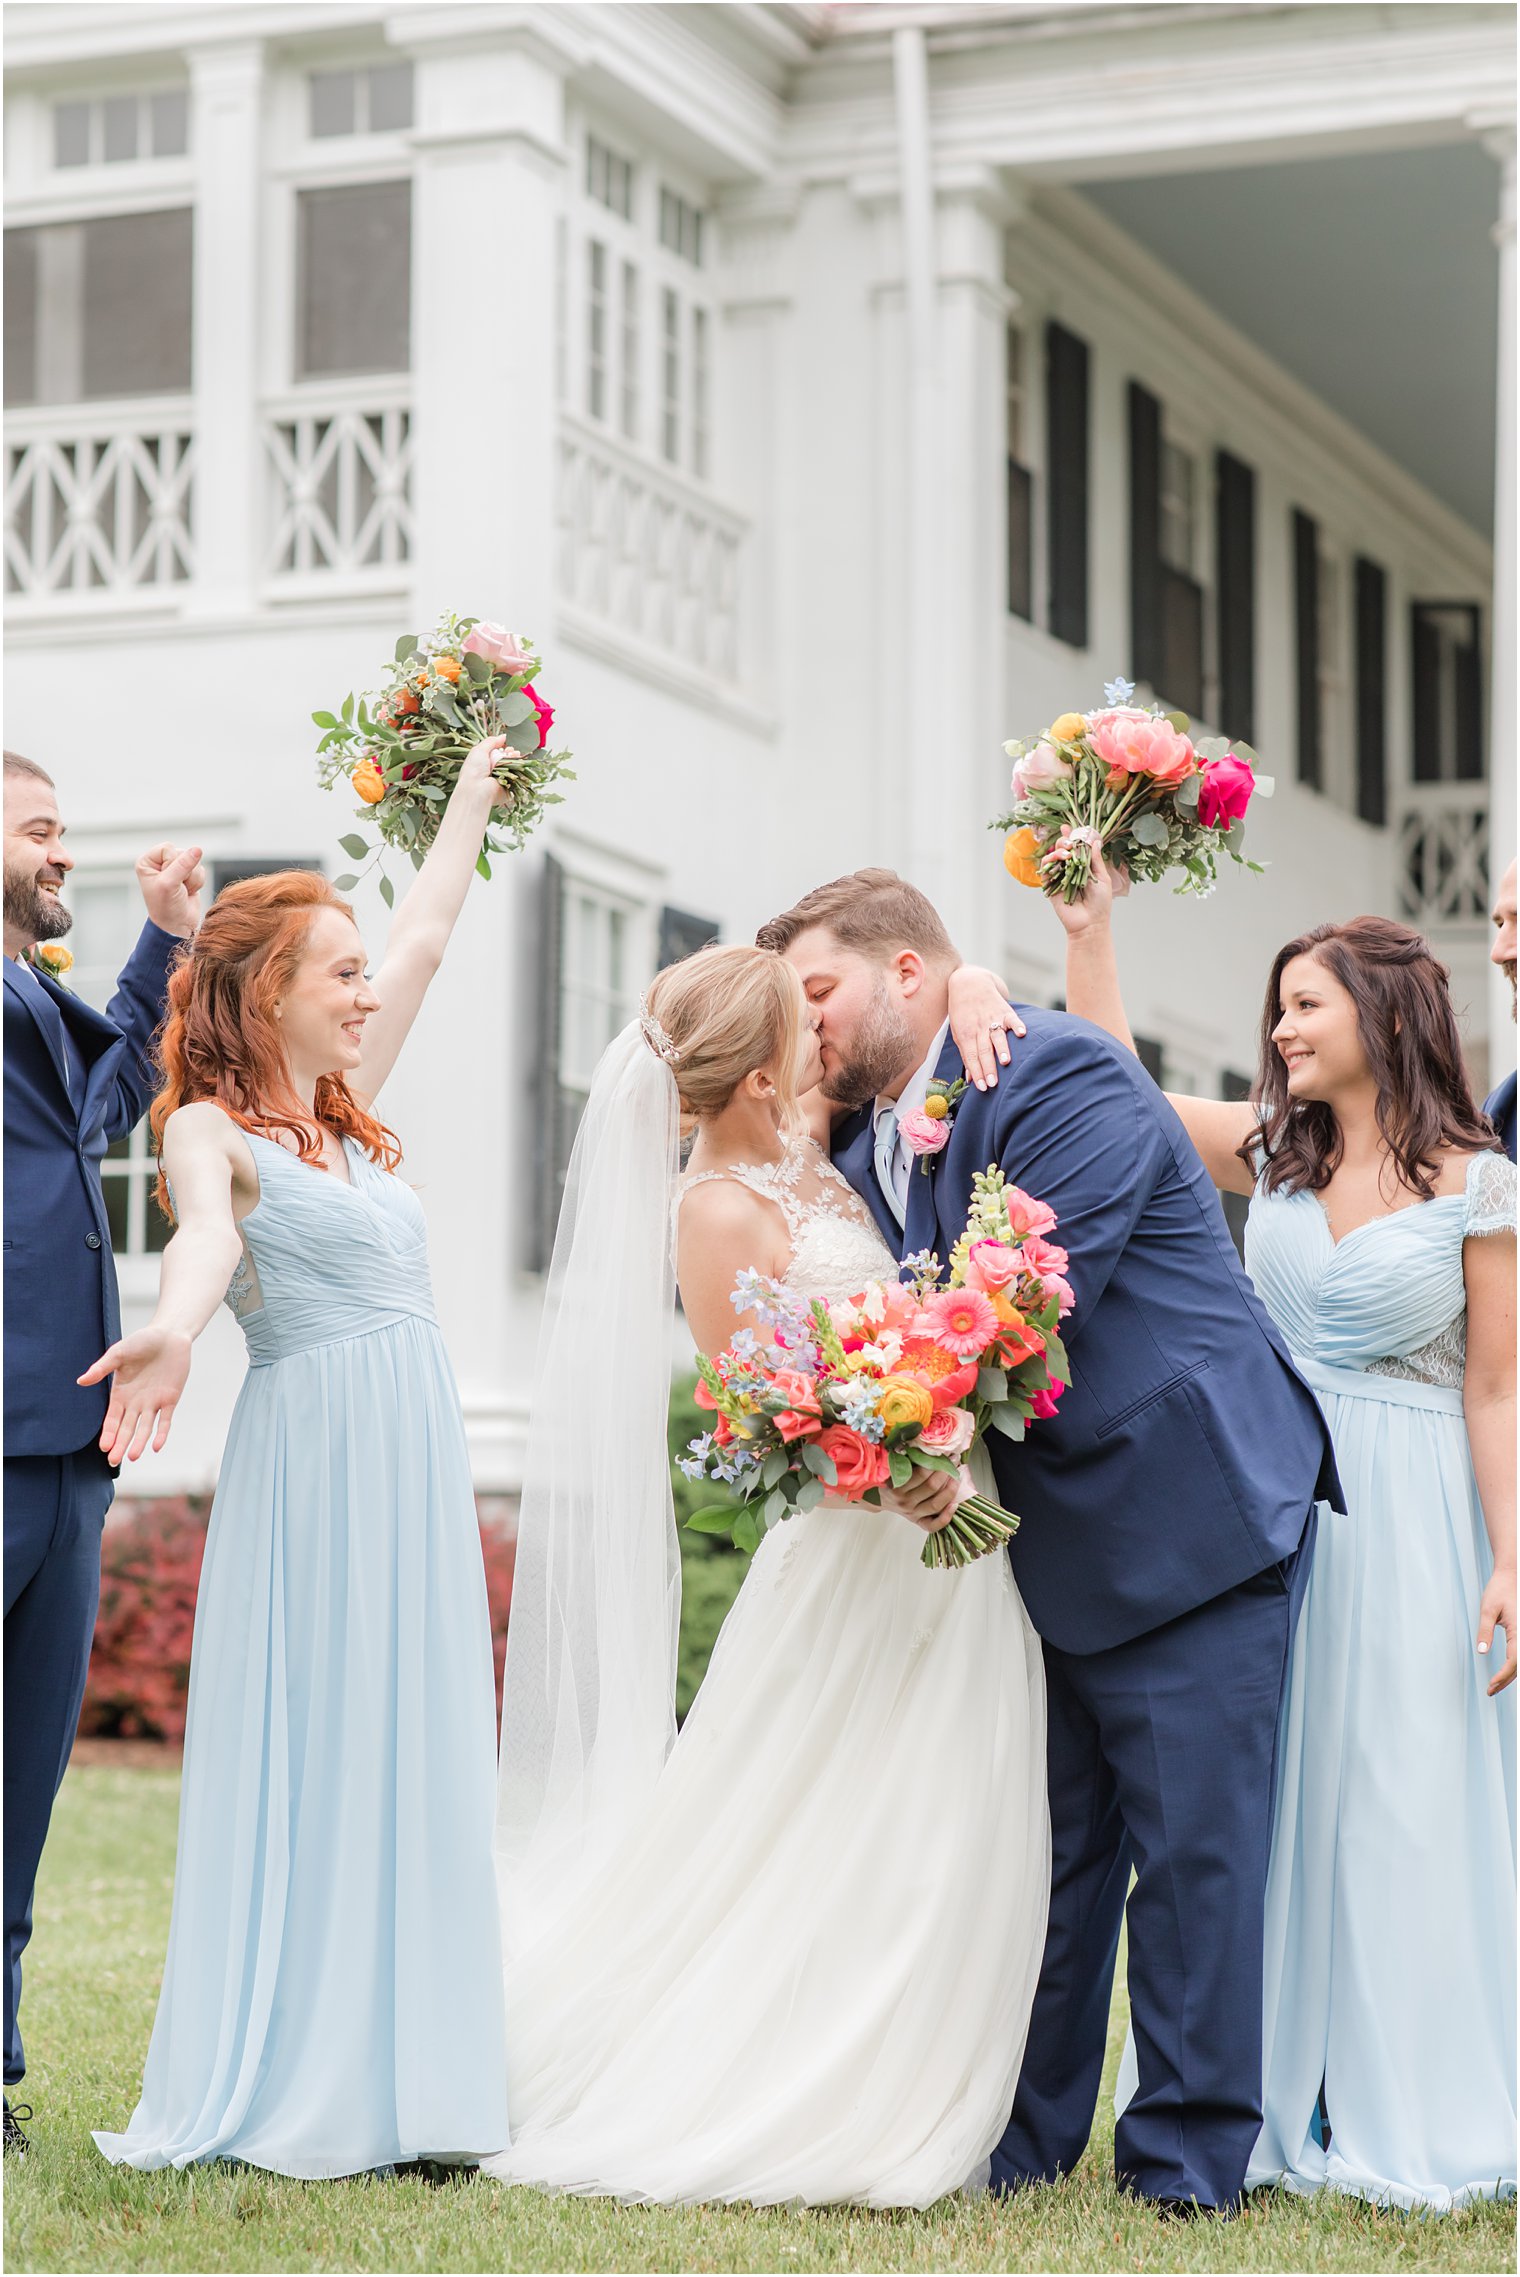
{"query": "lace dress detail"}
(243, 1295)
(836, 1247)
(1489, 1199)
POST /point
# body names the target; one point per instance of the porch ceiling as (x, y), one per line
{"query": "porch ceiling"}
(1373, 279)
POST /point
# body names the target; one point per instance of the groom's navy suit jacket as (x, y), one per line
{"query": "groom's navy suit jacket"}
(1188, 1451)
(60, 1284)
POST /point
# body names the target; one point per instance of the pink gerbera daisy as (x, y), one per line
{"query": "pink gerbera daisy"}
(961, 1321)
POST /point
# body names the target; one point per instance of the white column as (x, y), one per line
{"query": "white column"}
(226, 96)
(487, 189)
(1502, 717)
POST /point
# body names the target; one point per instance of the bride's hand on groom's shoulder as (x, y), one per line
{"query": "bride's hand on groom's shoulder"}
(981, 1021)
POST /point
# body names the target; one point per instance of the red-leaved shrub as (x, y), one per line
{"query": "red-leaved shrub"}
(150, 1566)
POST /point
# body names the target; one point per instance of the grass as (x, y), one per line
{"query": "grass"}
(92, 1979)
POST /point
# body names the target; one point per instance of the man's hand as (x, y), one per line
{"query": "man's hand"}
(929, 1498)
(171, 878)
(1498, 1612)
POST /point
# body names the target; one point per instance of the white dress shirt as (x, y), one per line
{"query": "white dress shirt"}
(894, 1161)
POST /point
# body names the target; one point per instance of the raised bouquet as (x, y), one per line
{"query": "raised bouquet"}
(1133, 783)
(401, 745)
(846, 1399)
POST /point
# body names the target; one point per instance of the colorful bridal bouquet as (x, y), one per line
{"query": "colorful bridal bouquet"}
(401, 745)
(846, 1399)
(1133, 783)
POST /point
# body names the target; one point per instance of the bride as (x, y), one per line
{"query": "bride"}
(791, 1954)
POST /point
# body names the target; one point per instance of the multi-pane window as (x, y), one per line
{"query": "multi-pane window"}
(1334, 678)
(670, 375)
(1446, 649)
(599, 988)
(609, 178)
(628, 328)
(376, 100)
(596, 328)
(118, 130)
(1020, 481)
(99, 308)
(354, 262)
(700, 408)
(680, 226)
(1179, 491)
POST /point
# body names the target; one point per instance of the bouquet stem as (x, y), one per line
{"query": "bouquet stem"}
(977, 1528)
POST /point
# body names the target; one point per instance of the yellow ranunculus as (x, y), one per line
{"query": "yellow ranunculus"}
(54, 958)
(903, 1399)
(1067, 728)
(369, 782)
(1020, 851)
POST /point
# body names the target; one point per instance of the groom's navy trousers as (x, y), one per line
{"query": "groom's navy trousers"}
(1166, 1521)
(75, 1081)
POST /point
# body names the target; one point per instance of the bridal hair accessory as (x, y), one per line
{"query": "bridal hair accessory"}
(660, 1042)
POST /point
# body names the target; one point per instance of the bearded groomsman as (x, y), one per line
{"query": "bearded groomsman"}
(75, 1081)
(1499, 1106)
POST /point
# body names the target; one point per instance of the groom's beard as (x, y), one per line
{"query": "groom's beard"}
(38, 916)
(882, 1046)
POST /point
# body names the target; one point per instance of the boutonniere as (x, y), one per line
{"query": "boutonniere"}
(52, 958)
(927, 1129)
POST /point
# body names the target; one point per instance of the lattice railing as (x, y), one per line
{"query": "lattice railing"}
(99, 502)
(340, 501)
(1443, 854)
(648, 554)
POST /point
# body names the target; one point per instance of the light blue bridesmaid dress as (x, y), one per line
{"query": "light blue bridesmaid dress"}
(1390, 1963)
(332, 1995)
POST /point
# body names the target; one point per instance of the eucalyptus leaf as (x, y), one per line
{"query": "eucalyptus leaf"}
(810, 1494)
(774, 1507)
(821, 1465)
(900, 1468)
(387, 891)
(476, 666)
(1004, 1420)
(1213, 747)
(775, 1467)
(992, 1383)
(354, 846)
(1180, 721)
(407, 645)
(514, 709)
(1056, 1360)
(1265, 786)
(1148, 830)
(1186, 793)
(344, 884)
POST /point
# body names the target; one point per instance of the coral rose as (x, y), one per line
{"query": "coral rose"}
(446, 667)
(802, 1415)
(903, 1400)
(991, 1265)
(1026, 1215)
(1143, 746)
(502, 650)
(1225, 792)
(369, 782)
(859, 1465)
(950, 1433)
(1021, 851)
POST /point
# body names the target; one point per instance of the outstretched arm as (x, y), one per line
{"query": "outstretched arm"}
(428, 914)
(152, 1365)
(1217, 1127)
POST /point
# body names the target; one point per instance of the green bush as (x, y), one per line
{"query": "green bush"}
(711, 1568)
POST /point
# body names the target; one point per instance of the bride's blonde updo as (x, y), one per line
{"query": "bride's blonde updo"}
(719, 1015)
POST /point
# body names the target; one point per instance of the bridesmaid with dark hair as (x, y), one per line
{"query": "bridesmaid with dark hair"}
(1381, 1236)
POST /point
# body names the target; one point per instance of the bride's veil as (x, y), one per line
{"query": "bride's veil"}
(588, 1701)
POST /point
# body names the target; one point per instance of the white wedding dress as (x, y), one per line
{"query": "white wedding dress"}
(805, 1973)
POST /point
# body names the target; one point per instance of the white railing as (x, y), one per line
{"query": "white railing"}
(647, 554)
(1443, 854)
(99, 503)
(339, 509)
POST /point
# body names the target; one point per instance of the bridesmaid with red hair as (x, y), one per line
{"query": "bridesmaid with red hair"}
(331, 1999)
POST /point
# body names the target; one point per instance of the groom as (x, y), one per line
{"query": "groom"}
(1167, 1515)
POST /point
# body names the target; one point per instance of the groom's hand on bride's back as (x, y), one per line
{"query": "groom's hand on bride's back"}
(981, 1021)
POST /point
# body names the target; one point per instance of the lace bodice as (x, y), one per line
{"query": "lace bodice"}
(836, 1247)
(1389, 1297)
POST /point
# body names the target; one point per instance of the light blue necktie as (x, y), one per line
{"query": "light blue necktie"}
(886, 1163)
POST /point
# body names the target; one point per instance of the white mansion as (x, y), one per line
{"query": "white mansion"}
(832, 391)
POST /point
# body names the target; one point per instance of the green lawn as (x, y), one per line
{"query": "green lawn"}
(102, 1915)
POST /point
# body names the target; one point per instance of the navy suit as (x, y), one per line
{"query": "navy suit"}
(1499, 1107)
(1165, 1510)
(75, 1081)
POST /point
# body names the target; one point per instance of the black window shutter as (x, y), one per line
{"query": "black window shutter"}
(1151, 1056)
(1371, 691)
(1306, 646)
(1066, 487)
(681, 935)
(1147, 660)
(1235, 594)
(1020, 541)
(552, 1127)
(1469, 704)
(1425, 692)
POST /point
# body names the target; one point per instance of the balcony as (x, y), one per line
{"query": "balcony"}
(1443, 859)
(338, 500)
(99, 506)
(647, 559)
